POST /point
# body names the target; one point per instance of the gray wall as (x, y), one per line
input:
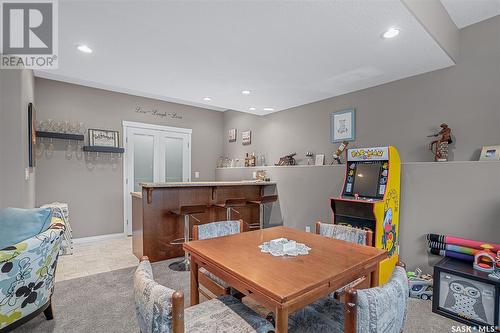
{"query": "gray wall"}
(454, 198)
(16, 92)
(95, 195)
(401, 113)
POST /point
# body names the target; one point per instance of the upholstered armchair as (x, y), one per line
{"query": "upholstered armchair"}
(375, 310)
(161, 310)
(210, 281)
(27, 272)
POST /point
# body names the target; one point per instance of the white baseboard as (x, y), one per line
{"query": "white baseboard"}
(98, 238)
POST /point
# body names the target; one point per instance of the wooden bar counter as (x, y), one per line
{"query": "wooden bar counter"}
(154, 225)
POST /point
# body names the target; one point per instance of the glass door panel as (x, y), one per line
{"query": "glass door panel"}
(174, 159)
(143, 159)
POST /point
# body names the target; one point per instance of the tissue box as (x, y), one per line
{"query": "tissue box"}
(282, 244)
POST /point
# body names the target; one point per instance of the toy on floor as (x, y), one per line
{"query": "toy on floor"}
(420, 284)
(485, 260)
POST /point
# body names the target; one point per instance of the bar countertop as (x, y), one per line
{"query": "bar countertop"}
(212, 183)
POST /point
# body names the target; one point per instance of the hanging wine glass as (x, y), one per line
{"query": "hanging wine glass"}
(79, 151)
(69, 150)
(39, 147)
(50, 150)
(113, 161)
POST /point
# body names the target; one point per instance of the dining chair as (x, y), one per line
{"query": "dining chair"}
(381, 309)
(349, 234)
(161, 310)
(210, 281)
(343, 232)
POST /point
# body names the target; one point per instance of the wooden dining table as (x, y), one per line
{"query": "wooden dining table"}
(282, 284)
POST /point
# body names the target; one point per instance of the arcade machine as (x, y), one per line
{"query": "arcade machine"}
(370, 199)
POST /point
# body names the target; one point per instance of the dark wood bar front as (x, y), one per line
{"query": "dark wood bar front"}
(155, 226)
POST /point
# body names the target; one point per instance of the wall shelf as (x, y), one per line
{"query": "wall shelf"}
(103, 149)
(62, 136)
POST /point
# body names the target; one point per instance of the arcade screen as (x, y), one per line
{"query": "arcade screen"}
(366, 180)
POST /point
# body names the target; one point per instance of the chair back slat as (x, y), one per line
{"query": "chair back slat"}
(346, 233)
(217, 229)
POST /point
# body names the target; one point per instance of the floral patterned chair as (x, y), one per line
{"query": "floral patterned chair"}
(348, 234)
(161, 310)
(27, 272)
(210, 281)
(375, 310)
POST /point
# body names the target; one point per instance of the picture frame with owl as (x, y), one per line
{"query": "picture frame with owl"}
(465, 295)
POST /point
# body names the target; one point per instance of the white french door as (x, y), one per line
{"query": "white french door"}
(153, 153)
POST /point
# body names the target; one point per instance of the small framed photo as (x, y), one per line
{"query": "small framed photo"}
(490, 153)
(320, 159)
(246, 137)
(104, 138)
(343, 125)
(232, 135)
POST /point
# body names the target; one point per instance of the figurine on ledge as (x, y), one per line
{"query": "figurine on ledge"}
(287, 160)
(440, 146)
(339, 153)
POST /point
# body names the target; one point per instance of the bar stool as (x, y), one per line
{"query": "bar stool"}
(230, 204)
(188, 212)
(261, 202)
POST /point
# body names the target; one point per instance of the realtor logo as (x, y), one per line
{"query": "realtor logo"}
(29, 34)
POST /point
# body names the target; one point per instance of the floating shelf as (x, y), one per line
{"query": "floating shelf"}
(62, 136)
(103, 149)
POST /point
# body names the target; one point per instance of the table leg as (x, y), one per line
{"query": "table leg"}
(281, 320)
(374, 276)
(195, 296)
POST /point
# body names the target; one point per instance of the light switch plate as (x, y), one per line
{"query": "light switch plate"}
(196, 174)
(27, 174)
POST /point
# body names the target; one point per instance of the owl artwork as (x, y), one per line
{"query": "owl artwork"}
(465, 299)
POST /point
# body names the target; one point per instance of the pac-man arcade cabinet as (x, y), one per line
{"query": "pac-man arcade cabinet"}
(370, 199)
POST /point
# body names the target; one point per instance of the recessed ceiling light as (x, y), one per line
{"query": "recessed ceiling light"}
(245, 92)
(391, 33)
(84, 48)
(252, 108)
(268, 109)
(207, 99)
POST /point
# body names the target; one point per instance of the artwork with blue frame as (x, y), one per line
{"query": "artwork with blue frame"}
(343, 125)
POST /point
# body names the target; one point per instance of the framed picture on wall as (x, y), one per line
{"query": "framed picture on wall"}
(246, 137)
(31, 135)
(232, 135)
(104, 138)
(343, 125)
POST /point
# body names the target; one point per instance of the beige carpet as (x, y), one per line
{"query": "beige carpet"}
(104, 303)
(421, 319)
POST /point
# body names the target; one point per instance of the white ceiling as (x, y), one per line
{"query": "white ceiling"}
(467, 12)
(286, 53)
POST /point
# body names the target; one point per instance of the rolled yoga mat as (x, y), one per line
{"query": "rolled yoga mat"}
(452, 254)
(454, 248)
(461, 242)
